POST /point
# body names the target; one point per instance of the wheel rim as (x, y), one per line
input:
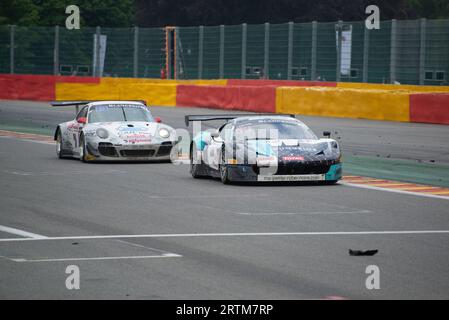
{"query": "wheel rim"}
(82, 149)
(58, 145)
(192, 165)
(223, 169)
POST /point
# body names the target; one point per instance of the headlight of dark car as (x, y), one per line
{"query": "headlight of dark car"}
(102, 133)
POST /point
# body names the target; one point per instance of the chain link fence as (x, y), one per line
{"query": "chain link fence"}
(407, 52)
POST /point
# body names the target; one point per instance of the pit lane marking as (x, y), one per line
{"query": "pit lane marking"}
(244, 234)
(159, 254)
(164, 255)
(21, 233)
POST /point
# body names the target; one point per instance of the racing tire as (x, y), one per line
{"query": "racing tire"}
(223, 167)
(83, 150)
(59, 144)
(196, 170)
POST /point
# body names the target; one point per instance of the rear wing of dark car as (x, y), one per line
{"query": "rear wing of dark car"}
(214, 117)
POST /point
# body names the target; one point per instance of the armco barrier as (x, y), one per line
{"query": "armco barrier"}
(352, 100)
(34, 87)
(257, 99)
(88, 91)
(220, 82)
(429, 108)
(392, 87)
(153, 93)
(280, 83)
(344, 103)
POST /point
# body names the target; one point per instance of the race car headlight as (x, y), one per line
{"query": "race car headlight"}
(102, 133)
(164, 133)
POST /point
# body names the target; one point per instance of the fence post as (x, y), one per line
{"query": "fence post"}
(178, 55)
(136, 53)
(11, 49)
(200, 52)
(314, 51)
(56, 52)
(366, 55)
(266, 61)
(339, 49)
(221, 67)
(244, 34)
(393, 51)
(97, 49)
(290, 51)
(422, 52)
(168, 37)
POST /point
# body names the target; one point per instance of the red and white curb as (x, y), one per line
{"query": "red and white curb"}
(27, 136)
(397, 186)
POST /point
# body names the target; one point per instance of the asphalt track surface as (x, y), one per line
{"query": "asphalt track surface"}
(150, 231)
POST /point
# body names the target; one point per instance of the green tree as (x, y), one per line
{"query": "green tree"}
(105, 13)
(20, 12)
(431, 9)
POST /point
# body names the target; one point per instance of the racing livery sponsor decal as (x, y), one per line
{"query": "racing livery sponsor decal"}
(290, 178)
(139, 134)
(105, 107)
(73, 127)
(293, 158)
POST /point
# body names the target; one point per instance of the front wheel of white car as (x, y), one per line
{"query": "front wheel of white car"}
(83, 150)
(59, 153)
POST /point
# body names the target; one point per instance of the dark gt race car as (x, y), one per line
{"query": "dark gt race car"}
(263, 148)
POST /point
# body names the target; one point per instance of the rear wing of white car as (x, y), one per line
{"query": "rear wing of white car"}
(77, 104)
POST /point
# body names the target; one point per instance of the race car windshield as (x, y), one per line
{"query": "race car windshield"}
(118, 113)
(268, 129)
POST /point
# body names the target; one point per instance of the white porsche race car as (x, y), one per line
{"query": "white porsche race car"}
(112, 131)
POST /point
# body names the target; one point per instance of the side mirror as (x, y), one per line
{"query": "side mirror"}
(158, 119)
(82, 120)
(327, 134)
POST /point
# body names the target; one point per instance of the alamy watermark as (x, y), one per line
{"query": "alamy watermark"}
(73, 20)
(373, 20)
(372, 282)
(73, 280)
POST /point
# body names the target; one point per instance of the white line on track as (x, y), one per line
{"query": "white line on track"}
(249, 234)
(21, 233)
(434, 196)
(301, 213)
(165, 255)
(354, 211)
(207, 196)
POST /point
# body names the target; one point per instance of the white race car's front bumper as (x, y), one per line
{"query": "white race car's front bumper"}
(105, 151)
